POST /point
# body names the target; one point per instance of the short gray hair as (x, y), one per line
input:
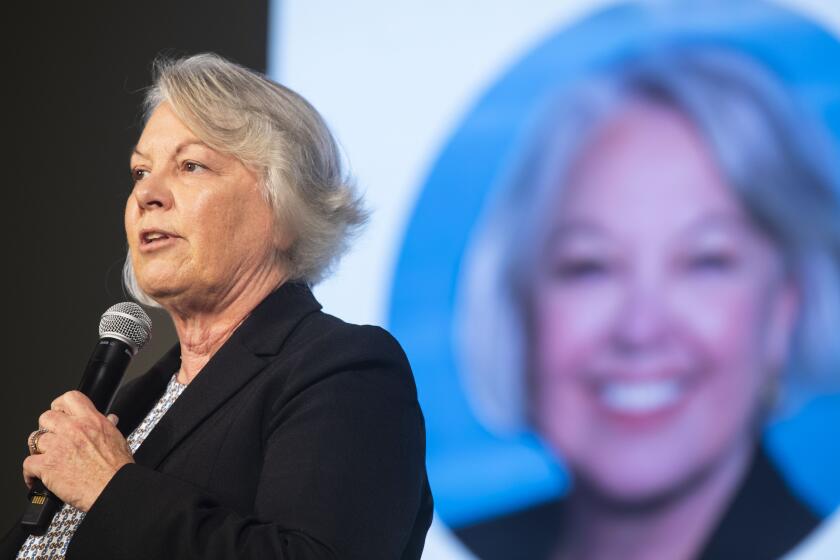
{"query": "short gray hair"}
(276, 132)
(775, 157)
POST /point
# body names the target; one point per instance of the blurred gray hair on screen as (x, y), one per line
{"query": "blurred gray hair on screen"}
(277, 133)
(779, 161)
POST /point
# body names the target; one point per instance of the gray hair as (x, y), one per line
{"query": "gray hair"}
(776, 159)
(276, 132)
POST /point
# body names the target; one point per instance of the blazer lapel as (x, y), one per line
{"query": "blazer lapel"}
(226, 372)
(139, 395)
(230, 369)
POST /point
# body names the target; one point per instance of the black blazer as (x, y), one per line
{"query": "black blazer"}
(763, 521)
(301, 438)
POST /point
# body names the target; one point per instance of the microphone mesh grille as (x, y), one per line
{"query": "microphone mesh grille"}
(127, 320)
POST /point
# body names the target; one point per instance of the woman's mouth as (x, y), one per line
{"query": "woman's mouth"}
(640, 397)
(151, 240)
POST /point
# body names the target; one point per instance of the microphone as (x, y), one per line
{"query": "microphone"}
(123, 330)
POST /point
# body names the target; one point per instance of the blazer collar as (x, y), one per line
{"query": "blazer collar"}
(239, 359)
(273, 320)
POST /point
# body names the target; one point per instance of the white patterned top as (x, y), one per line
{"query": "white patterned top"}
(53, 544)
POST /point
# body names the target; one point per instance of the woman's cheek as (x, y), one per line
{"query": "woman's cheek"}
(570, 329)
(569, 317)
(723, 318)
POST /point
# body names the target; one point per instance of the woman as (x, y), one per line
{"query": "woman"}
(272, 430)
(664, 256)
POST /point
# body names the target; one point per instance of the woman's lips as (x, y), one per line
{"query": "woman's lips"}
(153, 240)
(641, 401)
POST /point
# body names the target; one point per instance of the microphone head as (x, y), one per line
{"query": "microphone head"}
(128, 322)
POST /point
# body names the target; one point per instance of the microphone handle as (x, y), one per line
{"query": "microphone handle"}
(40, 510)
(102, 378)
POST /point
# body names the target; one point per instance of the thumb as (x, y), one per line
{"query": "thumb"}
(113, 418)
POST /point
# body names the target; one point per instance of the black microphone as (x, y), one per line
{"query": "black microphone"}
(123, 330)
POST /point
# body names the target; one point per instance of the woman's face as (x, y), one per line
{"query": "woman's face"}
(199, 229)
(659, 312)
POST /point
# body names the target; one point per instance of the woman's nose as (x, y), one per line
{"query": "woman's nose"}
(152, 193)
(642, 320)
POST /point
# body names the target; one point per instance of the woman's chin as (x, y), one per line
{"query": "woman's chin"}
(640, 482)
(162, 292)
(633, 492)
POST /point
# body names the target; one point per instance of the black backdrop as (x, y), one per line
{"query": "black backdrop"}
(72, 79)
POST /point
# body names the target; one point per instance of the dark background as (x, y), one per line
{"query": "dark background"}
(73, 80)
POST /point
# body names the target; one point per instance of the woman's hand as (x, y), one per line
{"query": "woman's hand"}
(80, 452)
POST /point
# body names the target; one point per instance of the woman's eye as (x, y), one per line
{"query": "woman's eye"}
(711, 262)
(138, 174)
(192, 167)
(581, 269)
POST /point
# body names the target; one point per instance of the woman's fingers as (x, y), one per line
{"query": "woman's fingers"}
(32, 469)
(78, 453)
(53, 421)
(74, 403)
(42, 443)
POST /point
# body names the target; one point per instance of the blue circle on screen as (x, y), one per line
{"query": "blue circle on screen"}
(474, 474)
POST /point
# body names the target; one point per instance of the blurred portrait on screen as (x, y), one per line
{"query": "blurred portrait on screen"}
(657, 274)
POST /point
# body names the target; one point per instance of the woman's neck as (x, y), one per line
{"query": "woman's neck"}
(202, 330)
(674, 528)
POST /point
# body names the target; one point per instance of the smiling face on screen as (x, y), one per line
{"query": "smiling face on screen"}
(658, 311)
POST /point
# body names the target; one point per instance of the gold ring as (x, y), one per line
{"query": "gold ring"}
(33, 441)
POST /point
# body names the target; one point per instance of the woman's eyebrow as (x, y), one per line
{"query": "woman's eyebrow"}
(574, 228)
(184, 145)
(181, 147)
(727, 221)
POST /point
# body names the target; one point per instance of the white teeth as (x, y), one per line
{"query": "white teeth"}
(640, 396)
(153, 236)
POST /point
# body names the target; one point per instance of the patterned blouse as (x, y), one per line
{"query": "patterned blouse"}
(53, 544)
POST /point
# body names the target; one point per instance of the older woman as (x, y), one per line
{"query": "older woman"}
(272, 430)
(664, 256)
